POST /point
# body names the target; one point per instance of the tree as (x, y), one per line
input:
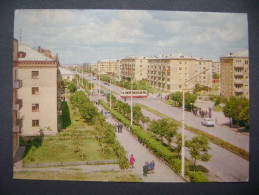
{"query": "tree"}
(179, 139)
(164, 128)
(72, 87)
(215, 76)
(198, 147)
(237, 109)
(190, 98)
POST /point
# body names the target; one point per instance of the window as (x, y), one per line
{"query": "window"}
(35, 123)
(180, 68)
(35, 74)
(35, 107)
(180, 86)
(35, 90)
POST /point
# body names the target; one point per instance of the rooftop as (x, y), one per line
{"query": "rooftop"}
(64, 71)
(242, 53)
(32, 54)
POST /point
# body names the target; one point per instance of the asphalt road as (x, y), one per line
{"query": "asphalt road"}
(234, 137)
(224, 166)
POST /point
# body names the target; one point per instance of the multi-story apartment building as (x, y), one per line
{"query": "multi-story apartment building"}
(17, 103)
(234, 74)
(40, 91)
(205, 78)
(134, 67)
(216, 67)
(106, 66)
(118, 70)
(66, 74)
(170, 72)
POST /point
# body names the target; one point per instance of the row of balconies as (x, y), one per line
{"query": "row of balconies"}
(17, 84)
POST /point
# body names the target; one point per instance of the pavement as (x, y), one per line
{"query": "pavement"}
(141, 154)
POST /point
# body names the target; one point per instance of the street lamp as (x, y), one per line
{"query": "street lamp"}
(99, 87)
(183, 105)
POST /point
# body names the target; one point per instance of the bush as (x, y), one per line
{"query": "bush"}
(197, 177)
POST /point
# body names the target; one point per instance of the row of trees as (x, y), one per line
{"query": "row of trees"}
(105, 132)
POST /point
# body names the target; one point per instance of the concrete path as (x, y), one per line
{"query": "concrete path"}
(141, 154)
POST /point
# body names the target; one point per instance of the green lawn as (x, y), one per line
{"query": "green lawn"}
(77, 143)
(111, 176)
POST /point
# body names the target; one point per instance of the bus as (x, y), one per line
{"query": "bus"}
(135, 93)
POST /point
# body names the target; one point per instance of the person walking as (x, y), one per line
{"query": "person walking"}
(152, 166)
(132, 160)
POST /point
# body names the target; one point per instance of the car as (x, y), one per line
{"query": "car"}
(94, 78)
(208, 122)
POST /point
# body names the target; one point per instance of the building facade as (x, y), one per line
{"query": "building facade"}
(106, 66)
(134, 67)
(170, 72)
(40, 91)
(234, 74)
(205, 79)
(216, 67)
(17, 103)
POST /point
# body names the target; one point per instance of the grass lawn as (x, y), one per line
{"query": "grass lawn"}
(217, 108)
(76, 143)
(111, 176)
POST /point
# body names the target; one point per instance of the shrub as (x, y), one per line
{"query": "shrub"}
(197, 177)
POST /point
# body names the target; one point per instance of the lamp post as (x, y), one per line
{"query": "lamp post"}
(99, 87)
(91, 83)
(183, 106)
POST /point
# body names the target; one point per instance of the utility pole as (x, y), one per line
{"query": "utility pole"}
(20, 36)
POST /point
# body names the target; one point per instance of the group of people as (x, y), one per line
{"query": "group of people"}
(147, 168)
(118, 127)
(202, 113)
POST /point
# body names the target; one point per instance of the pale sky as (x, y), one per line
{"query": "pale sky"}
(81, 36)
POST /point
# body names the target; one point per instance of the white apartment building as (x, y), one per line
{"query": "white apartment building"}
(106, 66)
(170, 72)
(40, 91)
(205, 78)
(234, 76)
(134, 67)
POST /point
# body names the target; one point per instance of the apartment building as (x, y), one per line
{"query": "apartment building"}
(40, 91)
(216, 67)
(93, 66)
(205, 78)
(106, 66)
(170, 72)
(234, 74)
(17, 103)
(118, 70)
(134, 67)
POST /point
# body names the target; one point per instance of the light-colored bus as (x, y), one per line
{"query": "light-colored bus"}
(135, 93)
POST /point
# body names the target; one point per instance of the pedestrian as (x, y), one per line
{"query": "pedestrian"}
(132, 160)
(152, 166)
(216, 120)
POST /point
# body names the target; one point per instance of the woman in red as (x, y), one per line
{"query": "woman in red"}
(132, 160)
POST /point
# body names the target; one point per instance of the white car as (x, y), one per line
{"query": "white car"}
(207, 122)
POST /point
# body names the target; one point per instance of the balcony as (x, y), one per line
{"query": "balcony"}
(239, 74)
(239, 90)
(16, 107)
(58, 79)
(16, 129)
(20, 103)
(238, 82)
(59, 95)
(17, 84)
(239, 66)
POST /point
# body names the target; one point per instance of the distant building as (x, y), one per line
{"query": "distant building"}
(66, 74)
(93, 66)
(134, 67)
(17, 103)
(170, 72)
(234, 76)
(205, 78)
(118, 70)
(106, 66)
(216, 67)
(40, 92)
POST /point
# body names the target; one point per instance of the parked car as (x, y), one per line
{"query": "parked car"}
(207, 122)
(94, 78)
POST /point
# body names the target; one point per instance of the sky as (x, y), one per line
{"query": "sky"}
(85, 36)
